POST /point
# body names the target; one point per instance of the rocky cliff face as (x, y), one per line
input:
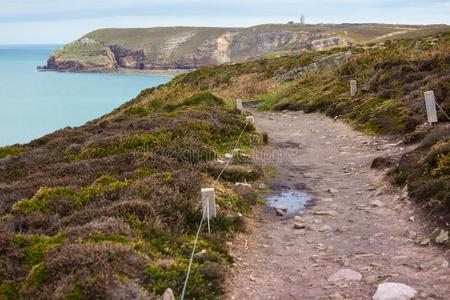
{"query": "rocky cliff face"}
(193, 47)
(84, 55)
(182, 48)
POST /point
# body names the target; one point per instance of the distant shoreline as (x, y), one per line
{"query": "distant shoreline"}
(161, 72)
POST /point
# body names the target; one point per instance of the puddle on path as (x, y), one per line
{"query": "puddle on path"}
(293, 200)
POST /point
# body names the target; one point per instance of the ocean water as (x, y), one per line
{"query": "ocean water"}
(34, 103)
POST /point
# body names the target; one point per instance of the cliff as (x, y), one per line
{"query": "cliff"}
(192, 47)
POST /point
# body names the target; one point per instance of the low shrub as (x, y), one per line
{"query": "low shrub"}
(11, 151)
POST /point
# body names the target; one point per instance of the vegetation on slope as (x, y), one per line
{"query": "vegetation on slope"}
(391, 76)
(391, 80)
(152, 38)
(109, 210)
(426, 172)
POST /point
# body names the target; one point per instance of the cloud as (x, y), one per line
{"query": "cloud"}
(64, 20)
(47, 10)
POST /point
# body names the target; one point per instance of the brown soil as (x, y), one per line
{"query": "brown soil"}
(276, 261)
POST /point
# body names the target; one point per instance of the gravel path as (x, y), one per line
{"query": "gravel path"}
(364, 225)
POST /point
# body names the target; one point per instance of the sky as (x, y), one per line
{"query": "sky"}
(62, 21)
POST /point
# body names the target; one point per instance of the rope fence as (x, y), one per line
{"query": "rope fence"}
(440, 108)
(429, 99)
(207, 212)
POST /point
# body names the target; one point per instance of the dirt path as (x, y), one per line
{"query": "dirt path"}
(365, 225)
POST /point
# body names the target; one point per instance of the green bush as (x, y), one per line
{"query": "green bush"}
(34, 247)
(11, 151)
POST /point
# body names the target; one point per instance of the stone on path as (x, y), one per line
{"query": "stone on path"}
(324, 228)
(281, 207)
(425, 242)
(394, 291)
(345, 275)
(300, 225)
(326, 199)
(411, 234)
(168, 295)
(333, 191)
(299, 219)
(325, 213)
(377, 203)
(442, 238)
(336, 296)
(280, 210)
(439, 262)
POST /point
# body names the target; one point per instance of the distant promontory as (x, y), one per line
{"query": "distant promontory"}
(185, 48)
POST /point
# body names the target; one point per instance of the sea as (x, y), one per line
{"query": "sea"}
(34, 103)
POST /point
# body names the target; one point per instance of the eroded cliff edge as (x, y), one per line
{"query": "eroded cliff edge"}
(183, 47)
(163, 48)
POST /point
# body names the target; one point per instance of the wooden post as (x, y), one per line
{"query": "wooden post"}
(353, 88)
(209, 203)
(430, 103)
(250, 120)
(239, 104)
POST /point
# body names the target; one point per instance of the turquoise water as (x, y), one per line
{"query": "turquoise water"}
(34, 103)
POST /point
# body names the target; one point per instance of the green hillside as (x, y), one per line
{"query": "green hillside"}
(112, 207)
(192, 47)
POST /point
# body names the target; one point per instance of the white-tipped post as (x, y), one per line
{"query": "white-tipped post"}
(353, 88)
(430, 103)
(239, 104)
(209, 204)
(250, 120)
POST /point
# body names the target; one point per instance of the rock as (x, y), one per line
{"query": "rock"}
(245, 184)
(371, 279)
(404, 192)
(394, 291)
(439, 262)
(325, 213)
(263, 186)
(336, 297)
(201, 254)
(326, 199)
(333, 191)
(300, 232)
(168, 295)
(411, 234)
(300, 225)
(425, 242)
(281, 207)
(299, 219)
(279, 212)
(345, 275)
(324, 228)
(377, 203)
(442, 238)
(228, 155)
